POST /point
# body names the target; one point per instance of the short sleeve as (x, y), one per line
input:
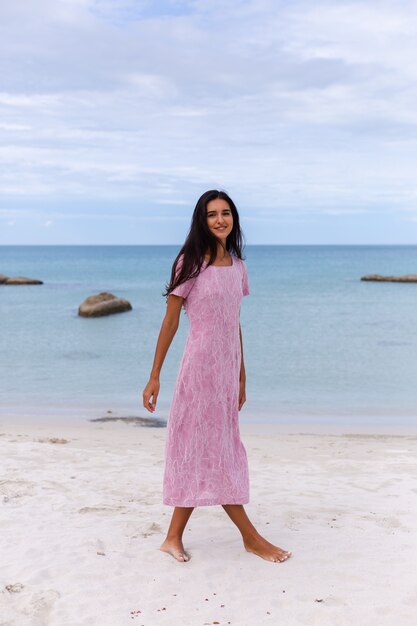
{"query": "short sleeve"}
(245, 282)
(184, 289)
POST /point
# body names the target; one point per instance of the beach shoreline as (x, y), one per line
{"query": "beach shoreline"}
(337, 425)
(82, 521)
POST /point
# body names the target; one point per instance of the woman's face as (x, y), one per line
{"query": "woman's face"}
(219, 218)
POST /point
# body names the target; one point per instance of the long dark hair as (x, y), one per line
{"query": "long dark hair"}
(200, 239)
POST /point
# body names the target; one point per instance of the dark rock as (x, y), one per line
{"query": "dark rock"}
(407, 278)
(153, 422)
(103, 304)
(20, 280)
(3, 278)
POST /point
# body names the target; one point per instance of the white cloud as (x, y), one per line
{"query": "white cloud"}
(28, 100)
(14, 127)
(297, 107)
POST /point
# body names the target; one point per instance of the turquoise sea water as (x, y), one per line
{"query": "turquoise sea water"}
(319, 344)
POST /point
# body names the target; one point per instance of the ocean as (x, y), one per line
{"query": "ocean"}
(320, 345)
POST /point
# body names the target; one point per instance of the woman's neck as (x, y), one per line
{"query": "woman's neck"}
(221, 255)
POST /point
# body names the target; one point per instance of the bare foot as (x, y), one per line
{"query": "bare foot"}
(260, 546)
(176, 549)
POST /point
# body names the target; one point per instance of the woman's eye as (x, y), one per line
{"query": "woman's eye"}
(214, 215)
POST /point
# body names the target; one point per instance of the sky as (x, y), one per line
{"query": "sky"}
(116, 115)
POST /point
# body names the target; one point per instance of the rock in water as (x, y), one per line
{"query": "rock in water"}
(103, 304)
(19, 280)
(407, 278)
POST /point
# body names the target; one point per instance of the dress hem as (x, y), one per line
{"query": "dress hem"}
(203, 503)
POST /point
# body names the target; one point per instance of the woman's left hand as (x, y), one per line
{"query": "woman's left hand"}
(242, 392)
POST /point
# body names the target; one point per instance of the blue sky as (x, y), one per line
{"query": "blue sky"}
(116, 115)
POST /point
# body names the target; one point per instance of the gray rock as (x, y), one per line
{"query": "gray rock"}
(20, 280)
(103, 304)
(3, 278)
(407, 278)
(153, 422)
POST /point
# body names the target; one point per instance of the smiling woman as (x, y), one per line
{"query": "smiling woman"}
(214, 236)
(205, 459)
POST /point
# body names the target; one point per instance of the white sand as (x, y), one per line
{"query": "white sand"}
(81, 524)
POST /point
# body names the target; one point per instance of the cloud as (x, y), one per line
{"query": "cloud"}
(307, 108)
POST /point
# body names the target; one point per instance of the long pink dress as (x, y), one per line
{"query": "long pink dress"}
(205, 460)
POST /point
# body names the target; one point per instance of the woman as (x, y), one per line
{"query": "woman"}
(205, 460)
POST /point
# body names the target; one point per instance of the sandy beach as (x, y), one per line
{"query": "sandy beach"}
(82, 520)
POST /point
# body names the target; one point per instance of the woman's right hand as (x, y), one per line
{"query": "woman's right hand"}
(151, 391)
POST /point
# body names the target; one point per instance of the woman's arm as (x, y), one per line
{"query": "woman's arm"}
(242, 376)
(166, 334)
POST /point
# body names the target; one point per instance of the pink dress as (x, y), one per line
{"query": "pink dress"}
(205, 460)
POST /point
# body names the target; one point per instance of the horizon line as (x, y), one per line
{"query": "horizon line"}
(167, 245)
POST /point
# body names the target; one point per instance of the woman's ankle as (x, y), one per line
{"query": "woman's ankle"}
(251, 536)
(173, 537)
